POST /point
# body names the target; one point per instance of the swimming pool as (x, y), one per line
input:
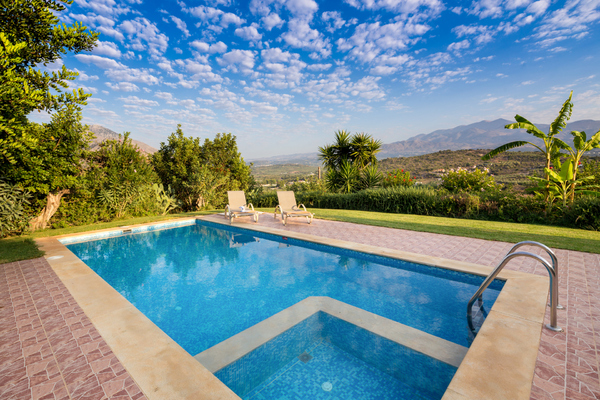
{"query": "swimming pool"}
(204, 283)
(175, 276)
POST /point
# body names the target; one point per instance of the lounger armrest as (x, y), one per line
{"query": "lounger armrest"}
(227, 209)
(302, 205)
(249, 205)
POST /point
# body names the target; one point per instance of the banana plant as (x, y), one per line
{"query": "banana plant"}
(552, 144)
(580, 146)
(563, 184)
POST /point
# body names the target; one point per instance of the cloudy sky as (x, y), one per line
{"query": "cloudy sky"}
(283, 75)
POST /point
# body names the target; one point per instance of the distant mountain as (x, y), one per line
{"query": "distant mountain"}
(480, 135)
(103, 134)
(302, 159)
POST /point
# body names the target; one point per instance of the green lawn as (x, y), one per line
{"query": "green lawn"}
(23, 248)
(552, 236)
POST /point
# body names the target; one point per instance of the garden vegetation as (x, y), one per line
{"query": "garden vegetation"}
(49, 177)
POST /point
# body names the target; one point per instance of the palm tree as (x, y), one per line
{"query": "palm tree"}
(347, 157)
(334, 154)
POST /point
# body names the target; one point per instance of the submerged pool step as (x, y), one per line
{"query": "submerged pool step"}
(256, 355)
(232, 349)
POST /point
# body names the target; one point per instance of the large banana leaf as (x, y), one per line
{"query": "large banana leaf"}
(524, 123)
(563, 116)
(562, 145)
(553, 175)
(506, 147)
(595, 140)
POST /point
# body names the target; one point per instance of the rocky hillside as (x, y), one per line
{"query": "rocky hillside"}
(103, 134)
(480, 135)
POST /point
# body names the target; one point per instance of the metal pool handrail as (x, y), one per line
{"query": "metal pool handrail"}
(553, 296)
(554, 265)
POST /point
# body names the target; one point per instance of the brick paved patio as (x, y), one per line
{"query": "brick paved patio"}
(50, 350)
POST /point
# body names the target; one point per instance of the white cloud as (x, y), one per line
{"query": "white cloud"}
(201, 72)
(204, 47)
(272, 21)
(164, 95)
(333, 19)
(318, 67)
(481, 33)
(104, 7)
(277, 55)
(301, 35)
(458, 46)
(123, 86)
(144, 35)
(231, 19)
(111, 32)
(302, 8)
(558, 49)
(138, 101)
(423, 8)
(109, 49)
(181, 25)
(214, 16)
(489, 99)
(242, 59)
(100, 62)
(280, 99)
(371, 40)
(82, 75)
(249, 33)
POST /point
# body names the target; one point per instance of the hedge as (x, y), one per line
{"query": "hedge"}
(505, 206)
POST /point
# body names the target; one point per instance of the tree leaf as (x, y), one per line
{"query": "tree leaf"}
(505, 147)
(563, 116)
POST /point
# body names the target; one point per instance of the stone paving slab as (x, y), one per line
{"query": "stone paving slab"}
(50, 350)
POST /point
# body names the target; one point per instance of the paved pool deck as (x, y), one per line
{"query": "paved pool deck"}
(49, 349)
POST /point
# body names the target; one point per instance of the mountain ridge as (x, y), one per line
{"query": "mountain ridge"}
(478, 135)
(102, 133)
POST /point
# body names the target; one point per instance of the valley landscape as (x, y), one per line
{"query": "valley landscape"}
(424, 155)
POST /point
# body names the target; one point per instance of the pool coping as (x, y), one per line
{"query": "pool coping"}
(499, 364)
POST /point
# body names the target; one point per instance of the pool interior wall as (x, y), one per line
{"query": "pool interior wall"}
(357, 363)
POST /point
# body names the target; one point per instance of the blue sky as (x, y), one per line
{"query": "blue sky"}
(284, 75)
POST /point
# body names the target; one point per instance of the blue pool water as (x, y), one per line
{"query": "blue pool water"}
(204, 283)
(324, 351)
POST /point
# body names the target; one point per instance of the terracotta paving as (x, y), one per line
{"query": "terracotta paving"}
(50, 350)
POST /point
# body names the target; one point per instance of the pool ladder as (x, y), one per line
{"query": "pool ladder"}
(552, 272)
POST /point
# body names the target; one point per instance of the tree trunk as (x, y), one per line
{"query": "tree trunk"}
(52, 204)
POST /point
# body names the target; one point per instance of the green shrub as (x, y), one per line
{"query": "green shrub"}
(462, 180)
(398, 178)
(12, 214)
(584, 213)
